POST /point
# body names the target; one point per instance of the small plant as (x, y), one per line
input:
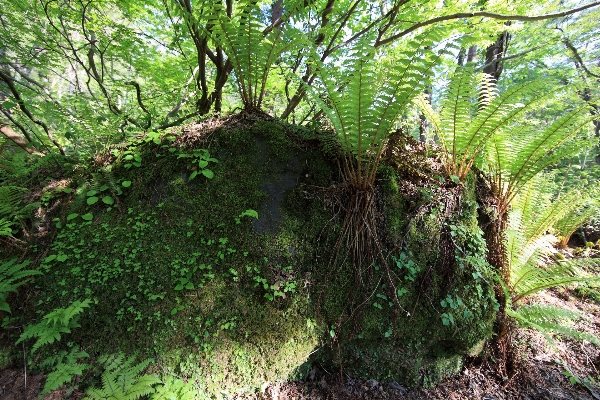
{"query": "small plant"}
(247, 213)
(121, 379)
(57, 322)
(12, 276)
(64, 367)
(200, 160)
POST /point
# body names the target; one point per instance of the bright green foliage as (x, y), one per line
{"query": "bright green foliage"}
(121, 379)
(201, 157)
(528, 256)
(365, 107)
(57, 322)
(175, 389)
(251, 50)
(64, 367)
(471, 115)
(548, 319)
(582, 209)
(11, 277)
(518, 154)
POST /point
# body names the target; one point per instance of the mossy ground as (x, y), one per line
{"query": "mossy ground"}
(177, 272)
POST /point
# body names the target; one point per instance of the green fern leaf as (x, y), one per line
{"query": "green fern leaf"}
(121, 379)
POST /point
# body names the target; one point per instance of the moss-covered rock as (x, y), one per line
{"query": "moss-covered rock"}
(179, 269)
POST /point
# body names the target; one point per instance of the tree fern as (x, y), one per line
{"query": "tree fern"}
(121, 379)
(53, 324)
(250, 49)
(530, 262)
(585, 207)
(518, 153)
(471, 114)
(364, 109)
(548, 319)
(12, 275)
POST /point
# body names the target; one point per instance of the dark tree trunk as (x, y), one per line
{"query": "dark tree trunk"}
(494, 54)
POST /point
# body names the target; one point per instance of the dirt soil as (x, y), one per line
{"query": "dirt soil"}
(567, 369)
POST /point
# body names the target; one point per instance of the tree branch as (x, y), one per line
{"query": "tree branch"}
(484, 14)
(570, 46)
(9, 82)
(138, 92)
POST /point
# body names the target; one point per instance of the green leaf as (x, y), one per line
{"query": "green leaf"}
(193, 175)
(208, 173)
(108, 200)
(179, 286)
(7, 105)
(67, 190)
(92, 200)
(202, 163)
(87, 217)
(189, 285)
(72, 216)
(91, 193)
(61, 257)
(50, 258)
(126, 183)
(103, 188)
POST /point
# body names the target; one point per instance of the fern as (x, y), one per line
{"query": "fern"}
(57, 322)
(12, 276)
(175, 389)
(11, 199)
(463, 131)
(121, 379)
(364, 110)
(251, 50)
(64, 367)
(548, 319)
(5, 227)
(581, 210)
(517, 154)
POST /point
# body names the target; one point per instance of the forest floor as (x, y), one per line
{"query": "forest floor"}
(566, 369)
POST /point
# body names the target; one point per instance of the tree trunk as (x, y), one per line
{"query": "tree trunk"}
(493, 54)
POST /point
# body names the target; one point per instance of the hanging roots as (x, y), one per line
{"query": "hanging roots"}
(359, 242)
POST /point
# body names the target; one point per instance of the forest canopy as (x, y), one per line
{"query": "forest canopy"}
(84, 74)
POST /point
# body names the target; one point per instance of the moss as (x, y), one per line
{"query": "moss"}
(177, 272)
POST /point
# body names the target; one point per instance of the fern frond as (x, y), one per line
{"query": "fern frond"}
(175, 389)
(548, 319)
(11, 199)
(53, 324)
(5, 227)
(65, 367)
(121, 380)
(12, 275)
(529, 279)
(533, 151)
